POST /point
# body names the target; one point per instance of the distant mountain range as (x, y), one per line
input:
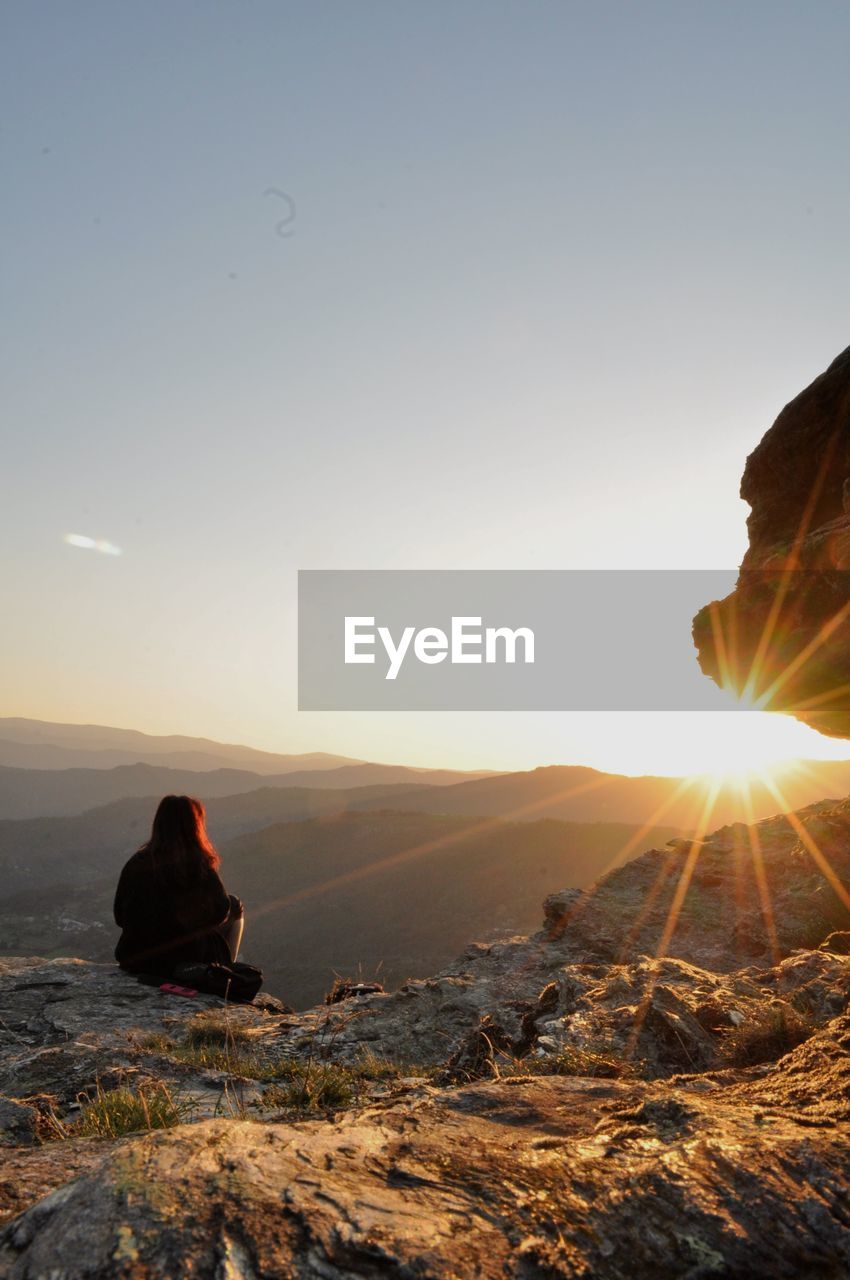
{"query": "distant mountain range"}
(568, 792)
(578, 794)
(58, 769)
(31, 793)
(41, 744)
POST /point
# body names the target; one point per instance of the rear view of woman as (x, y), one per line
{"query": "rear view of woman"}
(170, 903)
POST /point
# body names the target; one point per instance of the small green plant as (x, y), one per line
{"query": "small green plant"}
(315, 1083)
(213, 1046)
(572, 1061)
(317, 1086)
(215, 1033)
(599, 1058)
(371, 1066)
(112, 1113)
(156, 1042)
(766, 1036)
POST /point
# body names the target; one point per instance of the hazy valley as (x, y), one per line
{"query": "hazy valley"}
(389, 879)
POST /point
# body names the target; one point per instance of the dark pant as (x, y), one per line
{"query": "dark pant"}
(233, 926)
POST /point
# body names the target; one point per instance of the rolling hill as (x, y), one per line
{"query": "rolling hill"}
(37, 853)
(579, 794)
(43, 744)
(32, 793)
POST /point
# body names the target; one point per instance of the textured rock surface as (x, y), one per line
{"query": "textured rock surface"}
(788, 619)
(18, 1122)
(526, 1177)
(795, 476)
(66, 1025)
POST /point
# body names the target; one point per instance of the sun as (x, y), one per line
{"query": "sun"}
(743, 744)
(735, 744)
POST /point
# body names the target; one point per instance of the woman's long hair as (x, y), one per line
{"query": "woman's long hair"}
(179, 845)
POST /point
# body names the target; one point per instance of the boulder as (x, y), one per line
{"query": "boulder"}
(18, 1122)
(783, 635)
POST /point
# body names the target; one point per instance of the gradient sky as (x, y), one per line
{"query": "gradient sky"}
(550, 270)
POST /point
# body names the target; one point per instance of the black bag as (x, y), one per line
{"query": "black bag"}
(236, 982)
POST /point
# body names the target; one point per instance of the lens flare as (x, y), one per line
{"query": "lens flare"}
(92, 544)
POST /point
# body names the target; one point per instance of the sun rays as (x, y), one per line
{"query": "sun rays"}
(750, 755)
(812, 848)
(759, 691)
(760, 874)
(424, 848)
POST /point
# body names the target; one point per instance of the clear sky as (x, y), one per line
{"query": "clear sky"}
(362, 284)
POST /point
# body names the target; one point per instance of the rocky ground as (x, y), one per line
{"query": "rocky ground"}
(560, 1105)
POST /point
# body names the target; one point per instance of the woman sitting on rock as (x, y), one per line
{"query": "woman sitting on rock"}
(171, 905)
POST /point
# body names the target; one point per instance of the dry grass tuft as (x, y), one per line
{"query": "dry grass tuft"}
(766, 1036)
(113, 1113)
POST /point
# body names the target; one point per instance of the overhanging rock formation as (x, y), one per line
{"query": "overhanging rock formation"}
(783, 636)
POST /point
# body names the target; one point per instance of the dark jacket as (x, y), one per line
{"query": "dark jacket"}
(165, 923)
